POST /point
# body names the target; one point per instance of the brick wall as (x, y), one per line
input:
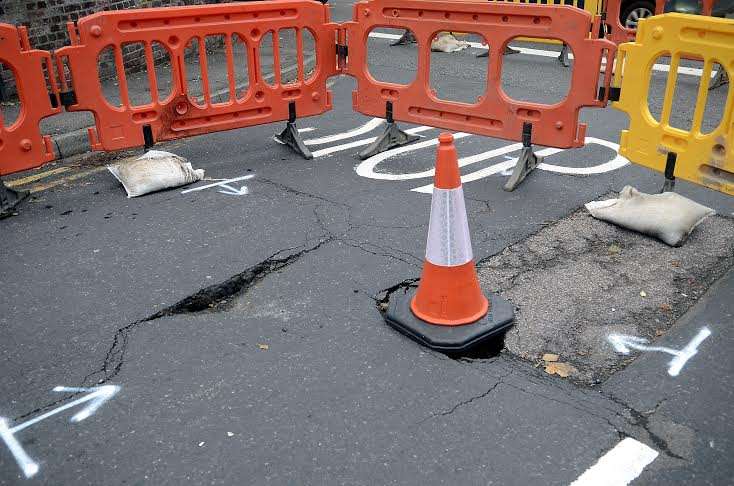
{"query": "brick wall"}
(46, 20)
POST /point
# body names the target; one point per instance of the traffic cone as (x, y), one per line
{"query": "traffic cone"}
(448, 311)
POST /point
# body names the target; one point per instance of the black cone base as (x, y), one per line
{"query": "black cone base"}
(449, 338)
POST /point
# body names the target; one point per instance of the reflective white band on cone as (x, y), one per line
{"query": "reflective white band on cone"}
(449, 242)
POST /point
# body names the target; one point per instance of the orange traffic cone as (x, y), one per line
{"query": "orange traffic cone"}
(448, 310)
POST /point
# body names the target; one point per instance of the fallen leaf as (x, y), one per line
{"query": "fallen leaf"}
(659, 332)
(665, 307)
(264, 347)
(561, 369)
(550, 357)
(614, 249)
(675, 263)
(643, 293)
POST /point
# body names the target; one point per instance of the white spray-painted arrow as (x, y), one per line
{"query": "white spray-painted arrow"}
(233, 191)
(97, 397)
(624, 344)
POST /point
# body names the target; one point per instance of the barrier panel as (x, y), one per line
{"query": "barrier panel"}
(702, 158)
(180, 114)
(594, 7)
(21, 144)
(494, 114)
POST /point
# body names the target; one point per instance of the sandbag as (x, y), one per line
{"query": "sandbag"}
(446, 42)
(153, 171)
(668, 217)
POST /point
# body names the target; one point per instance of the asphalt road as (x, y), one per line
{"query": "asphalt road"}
(245, 335)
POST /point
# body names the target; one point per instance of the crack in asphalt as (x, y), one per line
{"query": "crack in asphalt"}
(642, 420)
(363, 245)
(468, 401)
(291, 190)
(213, 298)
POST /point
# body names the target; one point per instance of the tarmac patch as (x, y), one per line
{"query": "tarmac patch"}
(579, 280)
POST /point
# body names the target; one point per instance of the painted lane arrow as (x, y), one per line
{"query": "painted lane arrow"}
(624, 344)
(97, 397)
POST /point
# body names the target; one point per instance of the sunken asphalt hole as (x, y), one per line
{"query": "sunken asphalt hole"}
(578, 280)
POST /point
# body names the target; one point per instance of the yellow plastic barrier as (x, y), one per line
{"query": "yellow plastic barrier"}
(703, 158)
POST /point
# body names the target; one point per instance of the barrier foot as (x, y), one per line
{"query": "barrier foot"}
(406, 38)
(392, 137)
(563, 56)
(527, 161)
(9, 199)
(720, 79)
(291, 137)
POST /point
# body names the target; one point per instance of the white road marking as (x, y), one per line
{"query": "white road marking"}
(367, 167)
(220, 183)
(362, 142)
(545, 53)
(233, 191)
(624, 344)
(97, 397)
(306, 130)
(366, 128)
(620, 466)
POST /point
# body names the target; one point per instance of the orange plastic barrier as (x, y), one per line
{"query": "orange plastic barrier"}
(21, 144)
(180, 115)
(495, 114)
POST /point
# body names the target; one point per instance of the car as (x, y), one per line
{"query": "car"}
(632, 11)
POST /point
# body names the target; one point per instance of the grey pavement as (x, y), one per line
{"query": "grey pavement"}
(246, 337)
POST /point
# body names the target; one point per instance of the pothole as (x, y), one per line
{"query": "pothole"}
(579, 280)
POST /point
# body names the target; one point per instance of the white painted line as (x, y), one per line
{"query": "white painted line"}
(366, 128)
(28, 465)
(221, 183)
(366, 168)
(362, 142)
(617, 162)
(545, 53)
(620, 466)
(97, 397)
(306, 130)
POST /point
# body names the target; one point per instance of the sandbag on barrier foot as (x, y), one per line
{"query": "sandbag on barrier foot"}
(668, 217)
(154, 171)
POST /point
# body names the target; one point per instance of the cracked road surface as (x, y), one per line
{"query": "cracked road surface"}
(246, 336)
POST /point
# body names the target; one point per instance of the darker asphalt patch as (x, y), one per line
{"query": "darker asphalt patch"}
(578, 280)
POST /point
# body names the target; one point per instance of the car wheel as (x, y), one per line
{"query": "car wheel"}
(634, 11)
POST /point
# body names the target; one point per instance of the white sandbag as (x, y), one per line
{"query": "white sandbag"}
(446, 42)
(153, 171)
(668, 217)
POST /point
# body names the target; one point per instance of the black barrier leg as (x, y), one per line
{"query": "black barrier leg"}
(669, 184)
(527, 161)
(290, 135)
(406, 38)
(563, 56)
(9, 199)
(148, 137)
(508, 52)
(392, 137)
(720, 79)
